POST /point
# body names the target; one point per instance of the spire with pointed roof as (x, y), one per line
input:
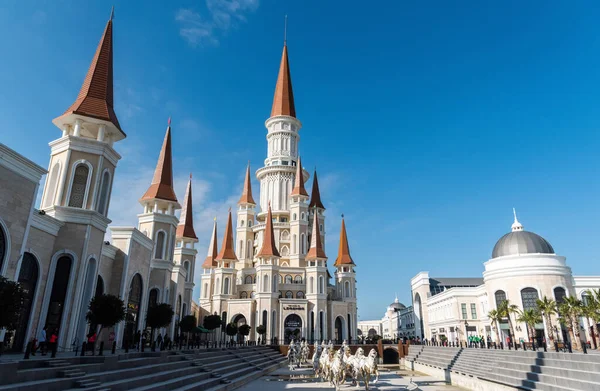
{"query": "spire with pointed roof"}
(315, 196)
(95, 99)
(316, 248)
(299, 183)
(516, 226)
(246, 197)
(162, 182)
(227, 253)
(268, 248)
(185, 229)
(343, 257)
(211, 258)
(283, 101)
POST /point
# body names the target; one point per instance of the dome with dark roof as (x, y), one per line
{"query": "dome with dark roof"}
(521, 242)
(396, 305)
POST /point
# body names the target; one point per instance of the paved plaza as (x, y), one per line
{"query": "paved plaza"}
(303, 379)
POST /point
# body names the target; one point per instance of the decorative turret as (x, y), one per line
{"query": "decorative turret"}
(268, 248)
(299, 189)
(92, 115)
(161, 188)
(315, 197)
(246, 197)
(316, 251)
(227, 253)
(343, 257)
(283, 101)
(185, 229)
(211, 258)
(516, 225)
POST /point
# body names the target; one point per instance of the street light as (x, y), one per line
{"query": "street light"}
(466, 332)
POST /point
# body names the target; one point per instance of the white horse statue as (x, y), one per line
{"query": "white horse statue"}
(292, 355)
(369, 367)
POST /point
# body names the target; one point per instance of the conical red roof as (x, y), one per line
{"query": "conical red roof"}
(95, 97)
(268, 248)
(316, 247)
(246, 197)
(211, 258)
(185, 229)
(315, 196)
(162, 182)
(343, 257)
(299, 182)
(227, 252)
(283, 101)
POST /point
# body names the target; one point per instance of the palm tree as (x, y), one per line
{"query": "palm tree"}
(506, 310)
(495, 318)
(570, 309)
(588, 310)
(594, 302)
(530, 317)
(547, 307)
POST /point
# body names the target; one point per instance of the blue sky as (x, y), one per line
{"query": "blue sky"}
(428, 121)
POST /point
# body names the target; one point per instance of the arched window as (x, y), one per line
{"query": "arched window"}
(249, 223)
(226, 285)
(249, 249)
(248, 279)
(3, 246)
(311, 286)
(294, 247)
(500, 297)
(529, 296)
(294, 217)
(300, 295)
(285, 235)
(59, 292)
(153, 297)
(52, 183)
(266, 283)
(279, 279)
(244, 295)
(559, 295)
(241, 223)
(186, 266)
(302, 244)
(347, 289)
(218, 285)
(79, 185)
(133, 307)
(302, 216)
(159, 247)
(241, 249)
(288, 279)
(28, 278)
(289, 295)
(280, 294)
(321, 285)
(205, 290)
(298, 279)
(285, 251)
(172, 247)
(252, 294)
(104, 190)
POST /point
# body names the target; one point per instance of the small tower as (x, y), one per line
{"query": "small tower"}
(208, 275)
(316, 206)
(267, 270)
(225, 273)
(83, 161)
(299, 219)
(158, 220)
(185, 253)
(317, 279)
(245, 218)
(345, 279)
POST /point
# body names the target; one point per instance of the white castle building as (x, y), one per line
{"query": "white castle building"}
(523, 268)
(398, 323)
(277, 275)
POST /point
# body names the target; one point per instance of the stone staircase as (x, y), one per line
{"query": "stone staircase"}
(204, 369)
(523, 370)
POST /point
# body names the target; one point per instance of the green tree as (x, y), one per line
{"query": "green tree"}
(158, 316)
(105, 310)
(495, 318)
(530, 317)
(211, 322)
(261, 330)
(187, 324)
(507, 310)
(547, 307)
(594, 303)
(570, 310)
(244, 330)
(231, 329)
(11, 301)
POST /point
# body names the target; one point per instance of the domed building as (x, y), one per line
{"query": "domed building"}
(397, 323)
(523, 268)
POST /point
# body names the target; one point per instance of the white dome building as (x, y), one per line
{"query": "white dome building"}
(523, 268)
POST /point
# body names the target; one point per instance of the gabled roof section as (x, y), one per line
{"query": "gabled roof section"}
(268, 248)
(227, 253)
(162, 182)
(185, 229)
(95, 97)
(343, 257)
(299, 183)
(283, 101)
(246, 197)
(315, 196)
(211, 258)
(316, 247)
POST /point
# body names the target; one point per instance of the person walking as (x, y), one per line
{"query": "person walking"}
(42, 340)
(54, 342)
(91, 342)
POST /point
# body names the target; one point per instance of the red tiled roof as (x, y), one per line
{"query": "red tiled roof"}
(185, 229)
(343, 257)
(210, 260)
(227, 253)
(162, 183)
(316, 248)
(299, 184)
(283, 101)
(268, 248)
(246, 197)
(315, 196)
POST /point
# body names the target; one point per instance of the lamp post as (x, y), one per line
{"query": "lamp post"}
(466, 332)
